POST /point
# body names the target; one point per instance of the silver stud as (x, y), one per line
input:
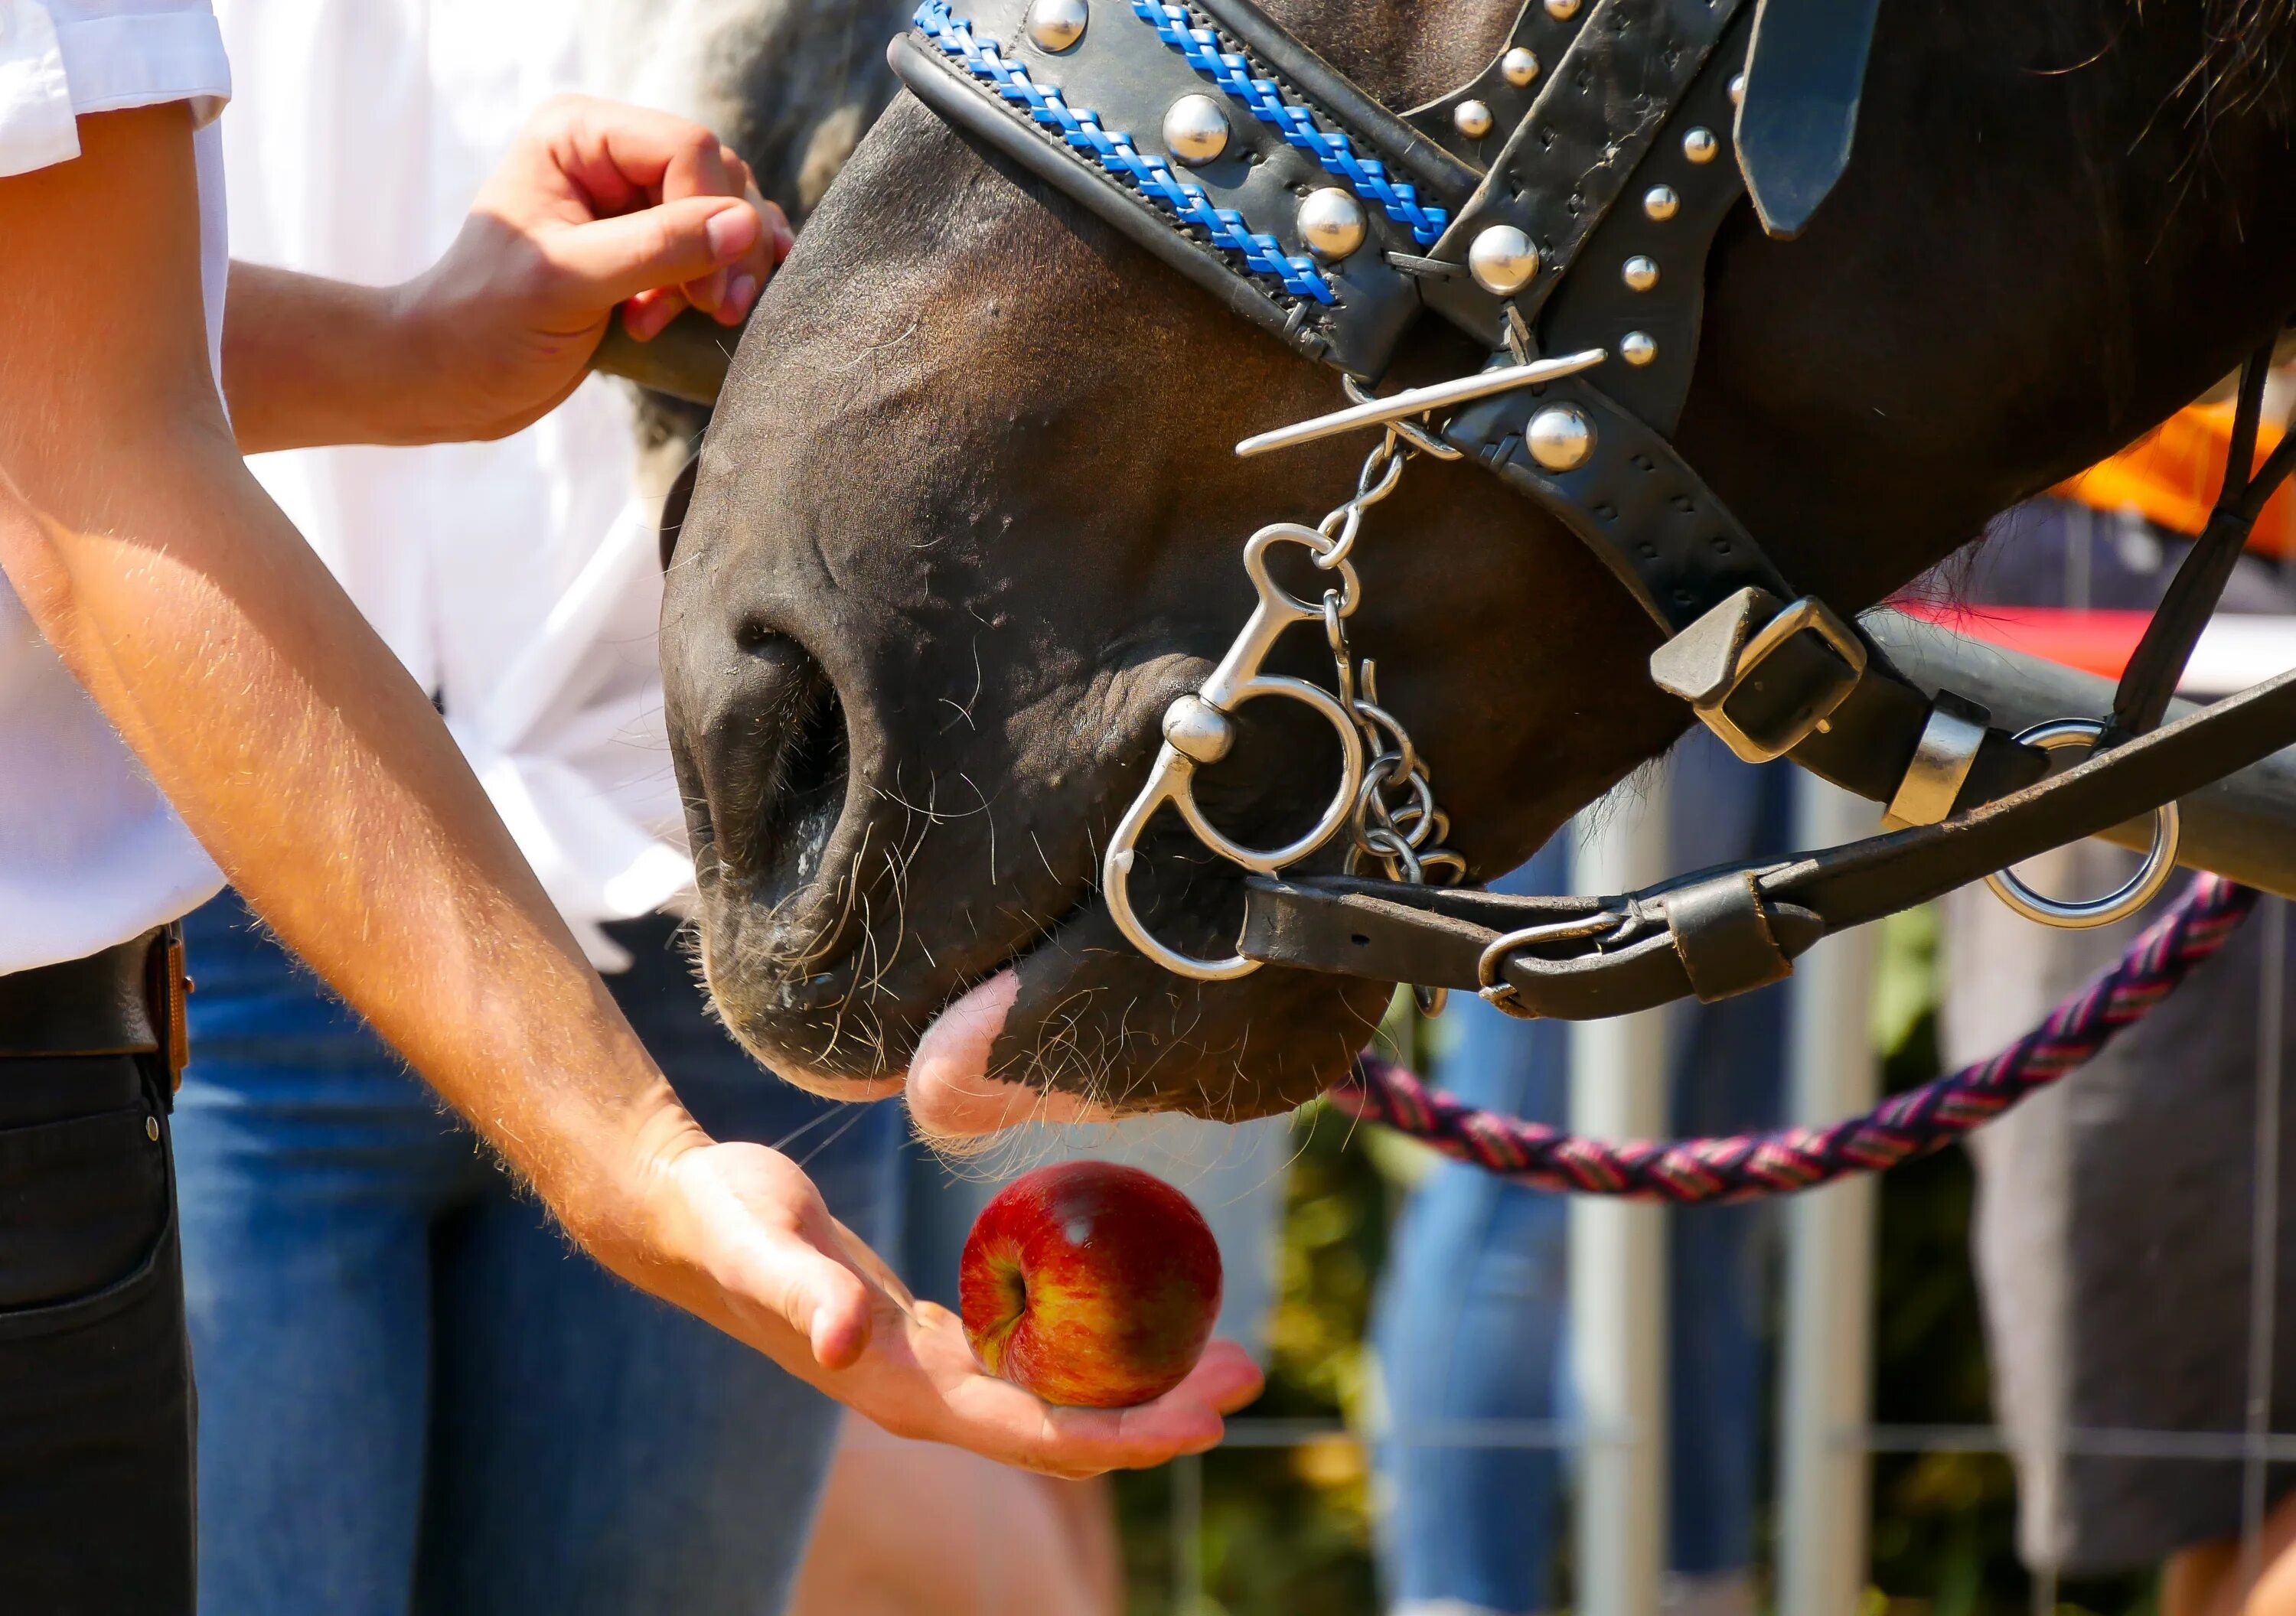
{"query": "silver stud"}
(1639, 273)
(1332, 222)
(1195, 129)
(1661, 202)
(1198, 730)
(1638, 349)
(1503, 260)
(1737, 89)
(1563, 11)
(1519, 67)
(1559, 438)
(1698, 145)
(1054, 25)
(1472, 120)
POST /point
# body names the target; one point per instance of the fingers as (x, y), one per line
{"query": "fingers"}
(690, 244)
(1187, 1419)
(607, 162)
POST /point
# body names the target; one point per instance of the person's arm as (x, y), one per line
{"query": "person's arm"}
(596, 203)
(313, 769)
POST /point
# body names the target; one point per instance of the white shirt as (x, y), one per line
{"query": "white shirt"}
(518, 580)
(90, 852)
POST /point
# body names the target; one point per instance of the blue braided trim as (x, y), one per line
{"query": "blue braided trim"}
(1150, 175)
(1367, 177)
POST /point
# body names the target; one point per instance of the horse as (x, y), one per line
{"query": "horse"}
(968, 517)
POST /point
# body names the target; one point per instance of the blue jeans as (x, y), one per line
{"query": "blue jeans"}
(1471, 1322)
(414, 1396)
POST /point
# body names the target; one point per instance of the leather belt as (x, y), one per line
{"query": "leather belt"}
(127, 1000)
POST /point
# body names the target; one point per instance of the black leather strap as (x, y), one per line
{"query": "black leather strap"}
(1402, 142)
(1805, 77)
(1120, 72)
(2159, 661)
(1747, 916)
(1547, 33)
(1595, 308)
(1602, 107)
(100, 1005)
(1649, 518)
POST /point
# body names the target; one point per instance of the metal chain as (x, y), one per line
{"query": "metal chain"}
(1395, 823)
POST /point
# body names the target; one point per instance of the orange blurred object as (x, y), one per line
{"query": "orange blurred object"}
(2171, 475)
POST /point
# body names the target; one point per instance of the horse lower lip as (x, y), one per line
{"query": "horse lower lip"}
(950, 1092)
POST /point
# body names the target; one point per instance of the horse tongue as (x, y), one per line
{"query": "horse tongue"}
(951, 1094)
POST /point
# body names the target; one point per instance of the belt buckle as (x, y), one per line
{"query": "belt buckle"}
(1713, 659)
(166, 985)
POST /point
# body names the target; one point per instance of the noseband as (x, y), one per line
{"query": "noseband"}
(1559, 208)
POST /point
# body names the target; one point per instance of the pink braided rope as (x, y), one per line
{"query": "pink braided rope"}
(1747, 1166)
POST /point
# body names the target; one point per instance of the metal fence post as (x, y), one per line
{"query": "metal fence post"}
(1618, 1253)
(1827, 1373)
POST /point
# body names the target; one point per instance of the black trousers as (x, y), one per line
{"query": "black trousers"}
(97, 1415)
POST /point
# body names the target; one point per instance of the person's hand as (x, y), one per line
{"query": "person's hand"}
(750, 1246)
(597, 206)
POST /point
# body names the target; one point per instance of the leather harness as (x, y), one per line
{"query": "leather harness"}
(1615, 136)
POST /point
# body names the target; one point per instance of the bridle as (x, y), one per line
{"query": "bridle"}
(1559, 208)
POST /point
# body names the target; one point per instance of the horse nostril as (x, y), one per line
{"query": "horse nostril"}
(814, 756)
(774, 760)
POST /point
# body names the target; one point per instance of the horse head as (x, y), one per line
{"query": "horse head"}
(969, 520)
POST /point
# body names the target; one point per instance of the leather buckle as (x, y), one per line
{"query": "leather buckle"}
(1723, 655)
(166, 985)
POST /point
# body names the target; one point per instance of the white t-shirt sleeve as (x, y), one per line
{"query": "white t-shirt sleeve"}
(61, 58)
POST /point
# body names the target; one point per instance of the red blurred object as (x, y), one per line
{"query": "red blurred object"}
(1090, 1284)
(2094, 642)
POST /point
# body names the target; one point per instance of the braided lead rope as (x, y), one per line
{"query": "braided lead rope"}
(1367, 177)
(1747, 1166)
(1150, 175)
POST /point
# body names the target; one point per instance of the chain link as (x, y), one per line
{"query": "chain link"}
(1395, 824)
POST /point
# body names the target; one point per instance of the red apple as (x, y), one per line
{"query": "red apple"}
(1090, 1285)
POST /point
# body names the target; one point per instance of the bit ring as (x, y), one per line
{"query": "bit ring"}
(2125, 900)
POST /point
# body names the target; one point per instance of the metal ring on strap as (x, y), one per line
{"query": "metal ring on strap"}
(2122, 901)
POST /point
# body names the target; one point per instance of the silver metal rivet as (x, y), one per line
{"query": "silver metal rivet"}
(1195, 129)
(1503, 260)
(1563, 11)
(1559, 439)
(1661, 202)
(1472, 120)
(152, 1128)
(1198, 730)
(1332, 222)
(1639, 273)
(1638, 349)
(1519, 67)
(1054, 25)
(1737, 89)
(1698, 145)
